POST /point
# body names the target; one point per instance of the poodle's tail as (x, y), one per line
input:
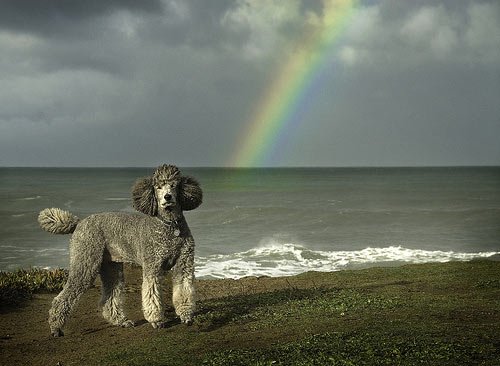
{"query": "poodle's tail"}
(57, 221)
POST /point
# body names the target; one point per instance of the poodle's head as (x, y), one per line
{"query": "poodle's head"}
(166, 189)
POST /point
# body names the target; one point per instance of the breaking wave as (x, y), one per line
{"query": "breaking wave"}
(290, 259)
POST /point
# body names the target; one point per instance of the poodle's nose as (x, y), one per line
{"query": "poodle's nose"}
(168, 197)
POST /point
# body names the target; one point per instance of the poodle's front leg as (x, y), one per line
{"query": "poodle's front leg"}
(183, 299)
(183, 296)
(152, 304)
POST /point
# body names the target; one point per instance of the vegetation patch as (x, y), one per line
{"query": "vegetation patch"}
(16, 287)
(274, 308)
(362, 348)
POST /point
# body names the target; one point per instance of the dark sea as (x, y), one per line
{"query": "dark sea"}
(276, 222)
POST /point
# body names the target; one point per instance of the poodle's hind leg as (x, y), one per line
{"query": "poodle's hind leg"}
(80, 279)
(111, 300)
(152, 304)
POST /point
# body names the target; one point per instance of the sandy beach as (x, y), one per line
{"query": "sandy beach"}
(431, 314)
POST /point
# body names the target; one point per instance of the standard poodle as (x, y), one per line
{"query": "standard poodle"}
(158, 240)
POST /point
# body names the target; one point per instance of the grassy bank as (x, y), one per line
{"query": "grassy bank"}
(19, 286)
(432, 314)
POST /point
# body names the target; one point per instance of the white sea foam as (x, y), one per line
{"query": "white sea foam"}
(290, 259)
(32, 198)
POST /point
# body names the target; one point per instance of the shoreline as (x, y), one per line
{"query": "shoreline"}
(289, 263)
(445, 314)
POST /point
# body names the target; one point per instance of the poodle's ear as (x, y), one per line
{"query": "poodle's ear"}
(143, 196)
(191, 194)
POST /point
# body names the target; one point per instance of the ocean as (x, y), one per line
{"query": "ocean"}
(276, 221)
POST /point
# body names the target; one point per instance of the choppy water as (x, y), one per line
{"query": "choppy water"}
(277, 221)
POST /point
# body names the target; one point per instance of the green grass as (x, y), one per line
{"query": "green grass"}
(431, 314)
(18, 286)
(362, 348)
(445, 314)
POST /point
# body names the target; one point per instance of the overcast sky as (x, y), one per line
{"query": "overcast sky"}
(137, 83)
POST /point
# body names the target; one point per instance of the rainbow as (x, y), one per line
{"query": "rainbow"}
(286, 97)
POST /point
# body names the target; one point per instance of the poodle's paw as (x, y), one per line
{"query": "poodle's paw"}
(127, 324)
(57, 333)
(187, 320)
(159, 325)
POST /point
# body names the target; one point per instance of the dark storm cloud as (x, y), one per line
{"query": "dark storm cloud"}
(170, 22)
(142, 82)
(61, 17)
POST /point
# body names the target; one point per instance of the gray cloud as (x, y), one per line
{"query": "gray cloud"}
(132, 83)
(66, 18)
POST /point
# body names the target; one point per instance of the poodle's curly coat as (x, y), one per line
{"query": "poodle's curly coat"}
(159, 239)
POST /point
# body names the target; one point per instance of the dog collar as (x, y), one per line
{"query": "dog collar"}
(173, 224)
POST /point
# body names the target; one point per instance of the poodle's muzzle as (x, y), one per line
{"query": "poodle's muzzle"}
(167, 195)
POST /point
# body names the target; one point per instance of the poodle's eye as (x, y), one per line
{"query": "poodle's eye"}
(160, 185)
